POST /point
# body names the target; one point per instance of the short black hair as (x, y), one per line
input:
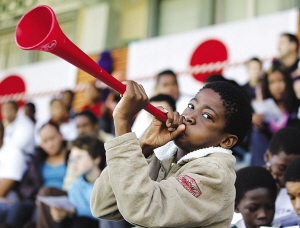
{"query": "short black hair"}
(255, 59)
(89, 114)
(251, 178)
(292, 172)
(93, 146)
(215, 78)
(285, 140)
(31, 106)
(13, 103)
(238, 112)
(165, 72)
(69, 92)
(292, 38)
(166, 98)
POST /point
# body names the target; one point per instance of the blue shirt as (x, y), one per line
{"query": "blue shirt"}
(79, 193)
(53, 176)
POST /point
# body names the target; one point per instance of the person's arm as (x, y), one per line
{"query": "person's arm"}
(6, 186)
(170, 203)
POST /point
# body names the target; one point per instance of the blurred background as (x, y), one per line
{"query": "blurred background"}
(143, 37)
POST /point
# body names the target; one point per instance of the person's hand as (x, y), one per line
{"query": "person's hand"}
(59, 215)
(257, 119)
(4, 200)
(133, 100)
(159, 133)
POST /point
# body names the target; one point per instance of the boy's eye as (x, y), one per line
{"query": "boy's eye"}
(252, 209)
(207, 116)
(190, 106)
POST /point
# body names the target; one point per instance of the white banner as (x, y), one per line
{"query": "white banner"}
(214, 46)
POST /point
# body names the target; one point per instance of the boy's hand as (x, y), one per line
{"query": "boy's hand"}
(257, 120)
(133, 100)
(59, 215)
(159, 133)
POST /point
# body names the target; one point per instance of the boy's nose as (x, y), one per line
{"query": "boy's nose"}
(262, 214)
(189, 119)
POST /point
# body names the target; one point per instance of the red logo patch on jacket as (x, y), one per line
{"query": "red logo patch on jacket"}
(189, 184)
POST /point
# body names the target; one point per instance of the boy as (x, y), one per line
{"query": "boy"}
(283, 148)
(292, 179)
(255, 197)
(89, 159)
(190, 183)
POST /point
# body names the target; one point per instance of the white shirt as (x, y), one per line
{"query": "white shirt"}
(12, 163)
(285, 213)
(20, 133)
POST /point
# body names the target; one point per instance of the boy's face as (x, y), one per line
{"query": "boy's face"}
(167, 84)
(204, 121)
(293, 190)
(257, 207)
(278, 164)
(83, 162)
(84, 126)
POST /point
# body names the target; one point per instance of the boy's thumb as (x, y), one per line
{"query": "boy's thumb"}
(178, 131)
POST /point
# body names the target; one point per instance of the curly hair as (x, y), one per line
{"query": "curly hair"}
(292, 173)
(251, 178)
(285, 140)
(238, 112)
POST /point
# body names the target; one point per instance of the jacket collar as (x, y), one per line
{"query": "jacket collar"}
(168, 150)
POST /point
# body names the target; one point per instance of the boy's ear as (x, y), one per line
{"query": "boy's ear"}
(236, 208)
(97, 160)
(267, 156)
(229, 142)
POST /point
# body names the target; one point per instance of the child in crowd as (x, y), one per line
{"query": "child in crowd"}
(276, 84)
(292, 179)
(190, 183)
(283, 148)
(255, 197)
(88, 155)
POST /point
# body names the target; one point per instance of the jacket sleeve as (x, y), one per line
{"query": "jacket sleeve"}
(175, 202)
(103, 201)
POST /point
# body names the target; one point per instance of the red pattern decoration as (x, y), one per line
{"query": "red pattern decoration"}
(189, 184)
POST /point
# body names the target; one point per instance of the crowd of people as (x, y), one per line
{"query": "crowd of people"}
(63, 158)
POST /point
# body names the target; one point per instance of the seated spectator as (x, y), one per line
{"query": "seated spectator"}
(254, 70)
(87, 123)
(93, 98)
(292, 179)
(12, 167)
(255, 197)
(59, 116)
(67, 100)
(146, 118)
(283, 149)
(19, 129)
(277, 85)
(29, 110)
(47, 168)
(88, 155)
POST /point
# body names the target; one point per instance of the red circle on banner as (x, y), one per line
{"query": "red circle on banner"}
(11, 85)
(210, 51)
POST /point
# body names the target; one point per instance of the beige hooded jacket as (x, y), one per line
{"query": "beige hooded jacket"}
(198, 191)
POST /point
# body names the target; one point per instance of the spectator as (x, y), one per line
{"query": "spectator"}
(47, 168)
(93, 97)
(12, 167)
(255, 197)
(254, 69)
(283, 148)
(59, 115)
(67, 100)
(19, 129)
(292, 179)
(277, 85)
(29, 110)
(88, 155)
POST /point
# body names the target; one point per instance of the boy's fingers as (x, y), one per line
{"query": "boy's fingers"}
(178, 131)
(170, 116)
